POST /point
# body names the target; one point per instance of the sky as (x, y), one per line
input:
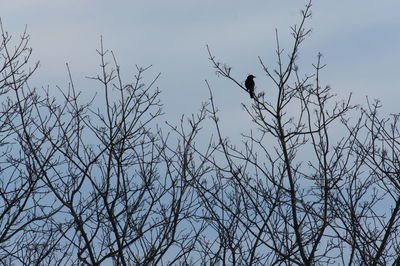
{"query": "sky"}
(359, 39)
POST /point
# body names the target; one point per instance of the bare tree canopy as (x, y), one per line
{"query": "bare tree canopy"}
(106, 182)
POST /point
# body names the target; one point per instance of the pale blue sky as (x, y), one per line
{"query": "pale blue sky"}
(360, 42)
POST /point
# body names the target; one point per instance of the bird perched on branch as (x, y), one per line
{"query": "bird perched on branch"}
(249, 83)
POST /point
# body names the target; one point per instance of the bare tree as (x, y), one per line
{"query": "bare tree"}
(298, 192)
(24, 205)
(122, 197)
(367, 201)
(91, 182)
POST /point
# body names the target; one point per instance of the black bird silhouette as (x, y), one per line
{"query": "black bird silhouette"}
(249, 83)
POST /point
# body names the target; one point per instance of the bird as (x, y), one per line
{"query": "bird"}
(249, 83)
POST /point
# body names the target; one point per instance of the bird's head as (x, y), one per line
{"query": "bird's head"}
(250, 76)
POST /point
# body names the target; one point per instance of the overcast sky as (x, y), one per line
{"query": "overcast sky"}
(359, 39)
